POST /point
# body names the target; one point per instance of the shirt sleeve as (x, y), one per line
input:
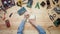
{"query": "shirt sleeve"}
(40, 30)
(21, 27)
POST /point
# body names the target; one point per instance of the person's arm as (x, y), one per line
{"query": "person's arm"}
(21, 27)
(39, 28)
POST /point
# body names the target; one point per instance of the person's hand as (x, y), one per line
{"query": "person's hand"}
(26, 15)
(32, 20)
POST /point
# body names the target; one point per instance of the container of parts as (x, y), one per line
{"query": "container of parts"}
(7, 22)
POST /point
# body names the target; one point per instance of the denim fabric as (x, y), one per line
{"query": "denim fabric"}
(40, 30)
(21, 28)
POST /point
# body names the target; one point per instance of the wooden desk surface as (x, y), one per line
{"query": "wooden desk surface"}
(42, 18)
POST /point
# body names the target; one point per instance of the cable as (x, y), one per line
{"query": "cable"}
(49, 29)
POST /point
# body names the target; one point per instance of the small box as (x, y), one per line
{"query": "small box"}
(21, 11)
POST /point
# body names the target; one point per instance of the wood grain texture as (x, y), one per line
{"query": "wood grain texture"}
(42, 17)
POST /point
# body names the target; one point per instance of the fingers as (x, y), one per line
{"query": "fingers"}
(32, 18)
(26, 15)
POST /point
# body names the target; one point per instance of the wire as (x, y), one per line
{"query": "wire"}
(49, 29)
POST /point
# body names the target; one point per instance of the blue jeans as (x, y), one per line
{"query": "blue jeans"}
(21, 28)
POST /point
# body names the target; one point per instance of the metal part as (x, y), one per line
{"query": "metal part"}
(54, 15)
(10, 15)
(57, 10)
(51, 17)
(7, 3)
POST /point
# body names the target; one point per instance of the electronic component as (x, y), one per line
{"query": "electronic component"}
(37, 5)
(51, 17)
(7, 3)
(57, 22)
(42, 4)
(7, 23)
(48, 4)
(29, 4)
(53, 2)
(1, 8)
(56, 1)
(10, 15)
(19, 3)
(54, 15)
(57, 10)
(22, 11)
